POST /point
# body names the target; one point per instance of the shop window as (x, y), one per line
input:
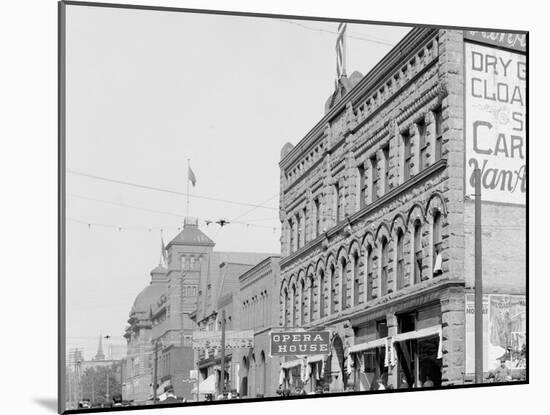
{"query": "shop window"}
(418, 362)
(423, 143)
(438, 119)
(417, 252)
(406, 322)
(400, 268)
(407, 155)
(381, 329)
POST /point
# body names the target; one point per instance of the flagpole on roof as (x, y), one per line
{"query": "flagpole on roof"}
(188, 169)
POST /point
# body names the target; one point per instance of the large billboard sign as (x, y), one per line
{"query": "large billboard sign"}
(495, 122)
(504, 331)
(294, 343)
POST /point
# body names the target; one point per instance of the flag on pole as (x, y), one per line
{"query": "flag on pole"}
(191, 176)
(340, 52)
(163, 259)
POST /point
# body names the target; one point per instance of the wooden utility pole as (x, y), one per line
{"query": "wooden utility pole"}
(222, 362)
(478, 280)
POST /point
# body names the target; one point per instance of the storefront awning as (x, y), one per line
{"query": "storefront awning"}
(317, 358)
(422, 333)
(418, 334)
(208, 385)
(373, 344)
(292, 363)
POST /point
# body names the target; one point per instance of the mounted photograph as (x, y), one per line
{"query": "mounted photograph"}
(262, 207)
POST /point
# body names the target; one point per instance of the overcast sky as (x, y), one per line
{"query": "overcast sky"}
(147, 90)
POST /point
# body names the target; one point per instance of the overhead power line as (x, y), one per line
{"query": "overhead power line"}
(313, 29)
(159, 189)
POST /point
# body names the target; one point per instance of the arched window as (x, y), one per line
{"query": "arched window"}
(384, 267)
(294, 313)
(400, 269)
(311, 297)
(417, 249)
(437, 243)
(302, 301)
(344, 279)
(321, 293)
(332, 298)
(285, 307)
(369, 272)
(355, 258)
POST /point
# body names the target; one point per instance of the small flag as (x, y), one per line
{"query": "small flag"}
(191, 176)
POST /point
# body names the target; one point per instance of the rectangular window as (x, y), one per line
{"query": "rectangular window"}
(361, 185)
(317, 204)
(374, 172)
(299, 229)
(305, 225)
(337, 201)
(291, 239)
(386, 153)
(438, 117)
(407, 156)
(424, 161)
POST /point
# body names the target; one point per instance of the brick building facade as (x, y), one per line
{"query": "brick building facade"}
(259, 307)
(376, 242)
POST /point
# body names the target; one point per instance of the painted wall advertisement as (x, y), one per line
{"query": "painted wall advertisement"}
(496, 122)
(504, 328)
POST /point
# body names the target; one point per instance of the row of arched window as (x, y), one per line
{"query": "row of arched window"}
(390, 258)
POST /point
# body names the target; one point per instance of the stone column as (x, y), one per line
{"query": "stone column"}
(391, 321)
(453, 324)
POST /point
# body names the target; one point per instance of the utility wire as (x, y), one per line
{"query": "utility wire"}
(159, 189)
(366, 39)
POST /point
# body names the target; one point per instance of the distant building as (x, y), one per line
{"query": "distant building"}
(258, 303)
(137, 376)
